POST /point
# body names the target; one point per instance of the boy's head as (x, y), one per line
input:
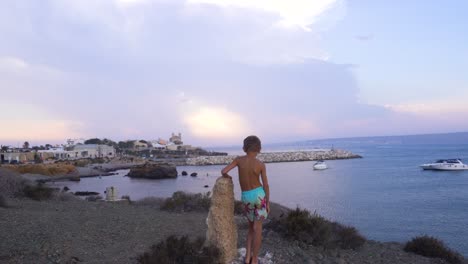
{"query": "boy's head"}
(252, 144)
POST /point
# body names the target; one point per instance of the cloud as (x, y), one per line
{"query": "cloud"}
(215, 71)
(216, 123)
(12, 64)
(293, 13)
(364, 37)
(28, 122)
(429, 108)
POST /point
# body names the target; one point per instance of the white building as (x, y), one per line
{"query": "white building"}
(93, 151)
(82, 151)
(75, 141)
(58, 152)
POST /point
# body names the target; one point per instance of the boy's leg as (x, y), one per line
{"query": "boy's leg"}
(257, 242)
(250, 237)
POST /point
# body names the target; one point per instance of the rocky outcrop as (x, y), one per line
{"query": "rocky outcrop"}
(222, 229)
(277, 157)
(153, 171)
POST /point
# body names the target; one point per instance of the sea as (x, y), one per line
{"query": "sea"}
(385, 195)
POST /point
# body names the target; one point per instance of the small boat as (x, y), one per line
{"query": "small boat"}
(320, 165)
(446, 164)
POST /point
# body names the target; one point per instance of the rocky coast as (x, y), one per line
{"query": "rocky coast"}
(78, 231)
(65, 229)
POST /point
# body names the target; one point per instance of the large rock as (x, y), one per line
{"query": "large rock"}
(153, 171)
(222, 229)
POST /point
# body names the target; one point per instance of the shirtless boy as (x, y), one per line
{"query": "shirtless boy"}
(255, 197)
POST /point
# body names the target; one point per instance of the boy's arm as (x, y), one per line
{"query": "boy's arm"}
(266, 187)
(228, 168)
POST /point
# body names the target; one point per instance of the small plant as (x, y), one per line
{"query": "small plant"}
(181, 250)
(433, 248)
(38, 192)
(94, 198)
(238, 207)
(349, 238)
(11, 184)
(187, 202)
(127, 197)
(3, 202)
(314, 229)
(151, 201)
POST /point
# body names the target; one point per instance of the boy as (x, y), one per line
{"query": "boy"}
(255, 197)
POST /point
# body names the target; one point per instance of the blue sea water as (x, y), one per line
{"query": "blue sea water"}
(385, 195)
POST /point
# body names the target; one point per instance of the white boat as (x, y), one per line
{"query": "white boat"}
(447, 164)
(320, 165)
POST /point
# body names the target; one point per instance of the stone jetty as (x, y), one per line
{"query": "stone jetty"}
(271, 157)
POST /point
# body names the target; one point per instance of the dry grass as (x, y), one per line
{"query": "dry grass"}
(181, 250)
(38, 192)
(11, 184)
(313, 229)
(44, 169)
(187, 202)
(433, 248)
(150, 201)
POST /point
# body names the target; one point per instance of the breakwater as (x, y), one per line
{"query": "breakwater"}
(272, 157)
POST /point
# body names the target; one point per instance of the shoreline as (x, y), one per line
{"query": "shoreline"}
(109, 169)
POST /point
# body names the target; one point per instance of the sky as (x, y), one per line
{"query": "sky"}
(219, 70)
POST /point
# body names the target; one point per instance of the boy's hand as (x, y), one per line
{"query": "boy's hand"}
(268, 207)
(227, 176)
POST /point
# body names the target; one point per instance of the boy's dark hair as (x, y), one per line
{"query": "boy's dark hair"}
(252, 143)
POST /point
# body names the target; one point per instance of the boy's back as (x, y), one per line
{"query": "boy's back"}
(255, 197)
(250, 169)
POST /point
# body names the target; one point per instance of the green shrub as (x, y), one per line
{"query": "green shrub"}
(349, 237)
(313, 229)
(187, 202)
(38, 192)
(181, 250)
(433, 248)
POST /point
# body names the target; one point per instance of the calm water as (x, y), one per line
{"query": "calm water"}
(385, 194)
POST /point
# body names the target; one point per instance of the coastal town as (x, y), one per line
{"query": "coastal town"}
(75, 149)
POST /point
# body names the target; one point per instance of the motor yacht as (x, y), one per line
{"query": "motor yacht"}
(320, 165)
(446, 164)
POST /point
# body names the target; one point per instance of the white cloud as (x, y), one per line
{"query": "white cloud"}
(29, 122)
(216, 123)
(430, 107)
(291, 13)
(12, 63)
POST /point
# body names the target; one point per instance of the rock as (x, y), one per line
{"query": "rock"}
(206, 186)
(194, 174)
(75, 179)
(86, 193)
(184, 173)
(222, 229)
(66, 189)
(153, 171)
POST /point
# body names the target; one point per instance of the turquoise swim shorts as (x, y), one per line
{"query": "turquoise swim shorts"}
(255, 205)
